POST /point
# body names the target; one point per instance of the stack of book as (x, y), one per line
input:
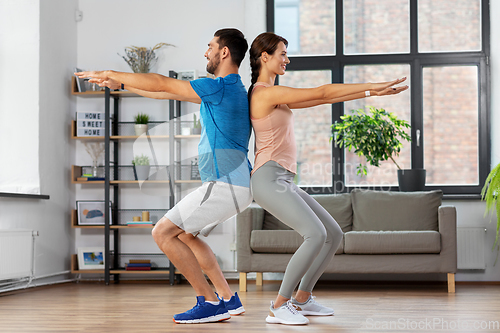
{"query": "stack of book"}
(138, 265)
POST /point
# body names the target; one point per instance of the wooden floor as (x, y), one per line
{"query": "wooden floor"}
(125, 307)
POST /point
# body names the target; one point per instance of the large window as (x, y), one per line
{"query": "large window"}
(441, 46)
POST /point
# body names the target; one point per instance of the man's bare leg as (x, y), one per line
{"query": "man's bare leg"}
(208, 263)
(165, 234)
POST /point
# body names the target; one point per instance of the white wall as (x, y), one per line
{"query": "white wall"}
(54, 57)
(19, 65)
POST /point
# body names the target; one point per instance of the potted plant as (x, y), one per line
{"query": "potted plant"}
(375, 135)
(490, 193)
(141, 123)
(141, 167)
(196, 125)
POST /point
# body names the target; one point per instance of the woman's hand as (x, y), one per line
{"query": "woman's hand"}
(384, 85)
(390, 91)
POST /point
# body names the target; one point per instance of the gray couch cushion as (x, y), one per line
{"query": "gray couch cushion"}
(389, 211)
(392, 242)
(279, 241)
(339, 206)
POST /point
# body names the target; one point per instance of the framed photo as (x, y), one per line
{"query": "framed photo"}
(187, 75)
(80, 83)
(90, 258)
(92, 212)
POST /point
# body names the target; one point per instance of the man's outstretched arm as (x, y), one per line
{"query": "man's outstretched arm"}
(149, 82)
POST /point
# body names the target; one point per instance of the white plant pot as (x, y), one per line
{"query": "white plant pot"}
(142, 171)
(140, 129)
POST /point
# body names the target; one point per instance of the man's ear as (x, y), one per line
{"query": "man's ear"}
(225, 53)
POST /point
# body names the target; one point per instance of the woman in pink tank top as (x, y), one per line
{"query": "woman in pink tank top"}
(275, 167)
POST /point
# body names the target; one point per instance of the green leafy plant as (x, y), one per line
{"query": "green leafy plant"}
(140, 160)
(490, 193)
(141, 59)
(141, 119)
(374, 135)
(196, 122)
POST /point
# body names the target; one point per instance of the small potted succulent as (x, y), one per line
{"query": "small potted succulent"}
(196, 125)
(141, 167)
(141, 123)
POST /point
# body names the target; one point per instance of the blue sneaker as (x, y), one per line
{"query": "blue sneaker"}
(203, 312)
(234, 306)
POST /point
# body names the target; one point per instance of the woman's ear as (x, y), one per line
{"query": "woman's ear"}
(264, 56)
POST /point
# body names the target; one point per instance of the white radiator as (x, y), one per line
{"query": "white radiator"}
(470, 248)
(16, 253)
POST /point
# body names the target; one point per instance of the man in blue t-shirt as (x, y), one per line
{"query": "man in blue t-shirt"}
(223, 165)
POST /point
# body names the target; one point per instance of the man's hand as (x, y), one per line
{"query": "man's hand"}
(102, 75)
(110, 83)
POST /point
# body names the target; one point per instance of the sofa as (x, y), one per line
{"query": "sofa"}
(384, 232)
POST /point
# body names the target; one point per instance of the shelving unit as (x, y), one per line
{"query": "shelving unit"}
(117, 175)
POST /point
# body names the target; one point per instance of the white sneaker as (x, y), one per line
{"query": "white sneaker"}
(285, 314)
(312, 308)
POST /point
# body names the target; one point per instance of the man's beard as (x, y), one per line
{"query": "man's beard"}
(213, 64)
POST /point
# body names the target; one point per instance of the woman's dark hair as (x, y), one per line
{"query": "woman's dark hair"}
(235, 42)
(265, 42)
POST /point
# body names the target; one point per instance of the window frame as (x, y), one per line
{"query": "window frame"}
(417, 61)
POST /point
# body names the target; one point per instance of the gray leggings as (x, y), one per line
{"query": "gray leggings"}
(273, 189)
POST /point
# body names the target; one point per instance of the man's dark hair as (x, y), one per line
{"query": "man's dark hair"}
(235, 42)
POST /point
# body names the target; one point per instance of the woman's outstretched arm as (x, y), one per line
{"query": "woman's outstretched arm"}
(269, 97)
(385, 92)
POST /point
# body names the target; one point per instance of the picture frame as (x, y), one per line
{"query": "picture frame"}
(92, 212)
(91, 258)
(187, 75)
(80, 82)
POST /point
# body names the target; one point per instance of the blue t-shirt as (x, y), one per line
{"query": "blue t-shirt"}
(226, 128)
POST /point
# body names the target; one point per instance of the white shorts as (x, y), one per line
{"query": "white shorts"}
(209, 205)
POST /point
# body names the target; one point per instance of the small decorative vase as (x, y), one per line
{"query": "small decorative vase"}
(140, 129)
(94, 169)
(197, 130)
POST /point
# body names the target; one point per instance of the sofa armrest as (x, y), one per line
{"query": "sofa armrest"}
(447, 224)
(250, 219)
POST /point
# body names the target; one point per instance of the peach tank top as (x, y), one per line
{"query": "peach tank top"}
(275, 138)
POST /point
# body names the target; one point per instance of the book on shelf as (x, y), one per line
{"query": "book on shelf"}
(138, 223)
(137, 268)
(89, 179)
(139, 261)
(138, 265)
